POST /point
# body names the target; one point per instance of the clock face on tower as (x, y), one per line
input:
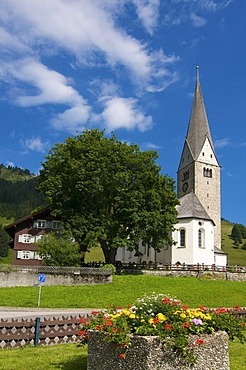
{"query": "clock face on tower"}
(185, 186)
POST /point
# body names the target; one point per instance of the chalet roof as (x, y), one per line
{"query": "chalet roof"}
(10, 229)
(198, 129)
(191, 207)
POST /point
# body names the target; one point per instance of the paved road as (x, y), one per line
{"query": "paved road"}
(12, 312)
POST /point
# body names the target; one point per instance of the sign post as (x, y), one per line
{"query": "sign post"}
(41, 279)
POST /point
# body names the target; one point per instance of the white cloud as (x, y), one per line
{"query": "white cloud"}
(148, 13)
(77, 26)
(222, 143)
(11, 164)
(72, 119)
(181, 11)
(51, 86)
(197, 21)
(35, 144)
(124, 113)
(152, 146)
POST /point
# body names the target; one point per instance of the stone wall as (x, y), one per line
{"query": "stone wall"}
(201, 274)
(82, 276)
(147, 353)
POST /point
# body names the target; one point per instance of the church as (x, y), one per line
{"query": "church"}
(197, 234)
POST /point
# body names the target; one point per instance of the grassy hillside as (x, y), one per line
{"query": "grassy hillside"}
(14, 174)
(235, 256)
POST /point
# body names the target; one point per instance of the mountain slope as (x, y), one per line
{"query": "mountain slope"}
(18, 196)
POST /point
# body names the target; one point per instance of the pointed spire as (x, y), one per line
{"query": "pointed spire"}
(198, 128)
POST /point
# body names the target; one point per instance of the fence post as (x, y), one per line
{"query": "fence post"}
(37, 329)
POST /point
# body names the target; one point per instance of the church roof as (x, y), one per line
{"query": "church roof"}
(219, 251)
(198, 129)
(191, 207)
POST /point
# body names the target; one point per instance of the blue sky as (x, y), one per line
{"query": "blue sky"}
(126, 66)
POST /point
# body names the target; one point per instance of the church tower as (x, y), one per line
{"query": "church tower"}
(199, 170)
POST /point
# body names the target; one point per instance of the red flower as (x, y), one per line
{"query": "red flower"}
(168, 327)
(185, 325)
(122, 355)
(166, 300)
(81, 332)
(108, 323)
(202, 308)
(156, 321)
(99, 327)
(94, 312)
(184, 307)
(200, 341)
(237, 308)
(114, 330)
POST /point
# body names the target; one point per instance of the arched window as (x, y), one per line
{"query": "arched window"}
(201, 235)
(207, 172)
(182, 238)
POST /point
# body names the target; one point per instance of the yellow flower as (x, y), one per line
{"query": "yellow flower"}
(161, 317)
(151, 321)
(132, 316)
(126, 312)
(183, 315)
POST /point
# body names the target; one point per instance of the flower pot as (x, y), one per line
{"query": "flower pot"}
(147, 353)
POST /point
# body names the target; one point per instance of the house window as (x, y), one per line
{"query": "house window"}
(182, 238)
(39, 224)
(25, 255)
(26, 238)
(207, 172)
(201, 238)
(56, 225)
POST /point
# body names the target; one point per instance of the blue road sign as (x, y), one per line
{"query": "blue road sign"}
(41, 278)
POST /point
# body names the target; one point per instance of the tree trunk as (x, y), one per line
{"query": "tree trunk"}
(108, 251)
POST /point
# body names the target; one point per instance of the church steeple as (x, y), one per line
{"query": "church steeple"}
(199, 170)
(198, 129)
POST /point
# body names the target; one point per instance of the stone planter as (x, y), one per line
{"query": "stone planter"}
(146, 353)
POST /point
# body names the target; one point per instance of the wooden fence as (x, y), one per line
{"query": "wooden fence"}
(45, 331)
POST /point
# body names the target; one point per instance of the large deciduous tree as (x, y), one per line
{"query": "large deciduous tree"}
(109, 192)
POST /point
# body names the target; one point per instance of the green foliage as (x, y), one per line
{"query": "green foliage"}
(18, 199)
(8, 260)
(112, 267)
(59, 250)
(109, 192)
(4, 246)
(238, 233)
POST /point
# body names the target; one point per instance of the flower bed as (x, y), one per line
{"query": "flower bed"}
(175, 331)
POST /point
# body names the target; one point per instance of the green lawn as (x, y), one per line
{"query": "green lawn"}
(72, 357)
(125, 290)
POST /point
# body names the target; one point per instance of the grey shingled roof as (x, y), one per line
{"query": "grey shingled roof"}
(198, 128)
(191, 207)
(219, 251)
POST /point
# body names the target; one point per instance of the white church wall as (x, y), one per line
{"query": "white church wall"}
(220, 260)
(192, 253)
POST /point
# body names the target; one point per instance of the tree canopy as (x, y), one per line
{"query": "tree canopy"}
(59, 249)
(109, 192)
